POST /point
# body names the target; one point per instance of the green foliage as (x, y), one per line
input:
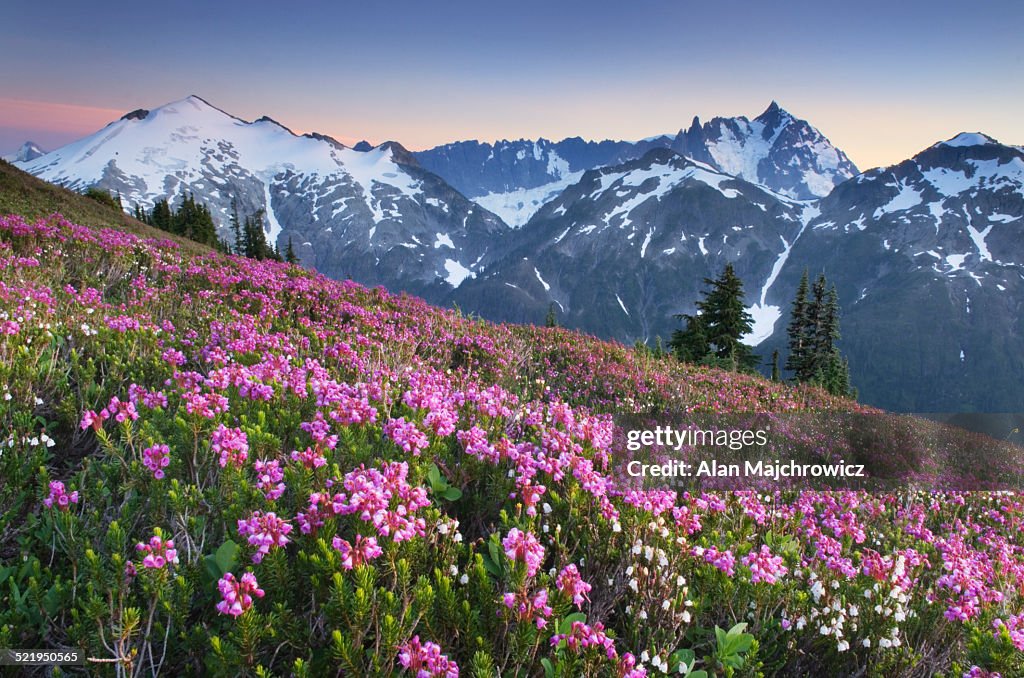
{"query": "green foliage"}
(712, 336)
(813, 331)
(103, 197)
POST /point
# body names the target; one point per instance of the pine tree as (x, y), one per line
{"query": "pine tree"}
(813, 332)
(289, 253)
(713, 335)
(236, 228)
(799, 344)
(775, 365)
(726, 320)
(551, 320)
(690, 344)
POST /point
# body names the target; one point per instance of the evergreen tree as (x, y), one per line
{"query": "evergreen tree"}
(551, 320)
(813, 332)
(726, 320)
(690, 344)
(775, 365)
(236, 228)
(713, 335)
(289, 253)
(799, 342)
(161, 215)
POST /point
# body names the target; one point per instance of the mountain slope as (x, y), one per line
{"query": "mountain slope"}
(21, 193)
(374, 215)
(627, 247)
(928, 259)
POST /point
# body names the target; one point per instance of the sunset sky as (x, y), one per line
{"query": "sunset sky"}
(882, 80)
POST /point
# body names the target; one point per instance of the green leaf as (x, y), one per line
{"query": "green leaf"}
(565, 626)
(452, 494)
(434, 476)
(549, 669)
(226, 557)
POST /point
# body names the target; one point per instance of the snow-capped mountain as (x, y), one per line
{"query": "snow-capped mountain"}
(627, 247)
(775, 149)
(514, 179)
(928, 259)
(373, 215)
(29, 150)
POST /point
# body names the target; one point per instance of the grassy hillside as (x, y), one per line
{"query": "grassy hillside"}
(21, 193)
(217, 466)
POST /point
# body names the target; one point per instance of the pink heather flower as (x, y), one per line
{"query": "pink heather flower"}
(120, 411)
(525, 547)
(529, 609)
(366, 548)
(60, 497)
(320, 431)
(1014, 625)
(406, 436)
(91, 420)
(231, 444)
(583, 636)
(723, 560)
(309, 458)
(629, 669)
(236, 596)
(207, 405)
(313, 518)
(150, 399)
(384, 498)
(265, 531)
(156, 459)
(425, 660)
(978, 672)
(572, 585)
(176, 358)
(268, 478)
(764, 567)
(158, 552)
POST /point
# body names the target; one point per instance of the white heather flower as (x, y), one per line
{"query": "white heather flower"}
(635, 585)
(842, 646)
(464, 579)
(616, 527)
(867, 642)
(546, 507)
(643, 614)
(666, 604)
(644, 656)
(680, 580)
(453, 570)
(686, 616)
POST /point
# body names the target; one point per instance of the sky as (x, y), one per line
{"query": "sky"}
(882, 80)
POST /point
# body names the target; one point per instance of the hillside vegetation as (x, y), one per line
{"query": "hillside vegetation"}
(219, 466)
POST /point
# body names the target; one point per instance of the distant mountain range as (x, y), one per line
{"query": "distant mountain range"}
(927, 255)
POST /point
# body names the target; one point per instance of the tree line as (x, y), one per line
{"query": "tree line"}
(713, 334)
(193, 220)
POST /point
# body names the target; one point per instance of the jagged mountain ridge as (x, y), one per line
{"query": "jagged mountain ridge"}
(515, 178)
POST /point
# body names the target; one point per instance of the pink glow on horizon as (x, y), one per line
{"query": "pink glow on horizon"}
(55, 117)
